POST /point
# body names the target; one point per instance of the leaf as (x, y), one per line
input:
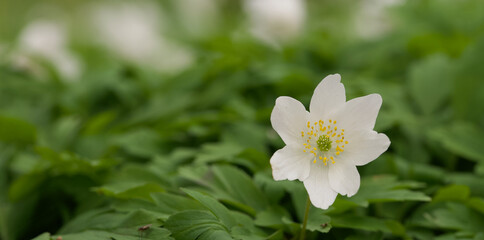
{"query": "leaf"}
(140, 142)
(271, 217)
(387, 189)
(452, 193)
(461, 138)
(171, 203)
(43, 236)
(447, 215)
(152, 233)
(126, 190)
(367, 223)
(239, 187)
(196, 224)
(219, 210)
(433, 71)
(13, 130)
(318, 221)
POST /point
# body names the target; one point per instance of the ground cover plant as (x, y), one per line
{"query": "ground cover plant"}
(151, 120)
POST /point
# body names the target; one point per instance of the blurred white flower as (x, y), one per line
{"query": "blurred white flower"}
(47, 40)
(372, 19)
(324, 146)
(132, 31)
(276, 21)
(198, 17)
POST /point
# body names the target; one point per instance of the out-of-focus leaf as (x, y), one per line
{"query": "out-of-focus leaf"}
(425, 76)
(126, 190)
(14, 130)
(43, 236)
(141, 142)
(387, 189)
(452, 193)
(463, 139)
(368, 224)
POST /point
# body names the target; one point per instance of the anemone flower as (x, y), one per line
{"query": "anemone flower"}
(324, 145)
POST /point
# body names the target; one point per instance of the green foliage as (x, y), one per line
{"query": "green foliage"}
(130, 152)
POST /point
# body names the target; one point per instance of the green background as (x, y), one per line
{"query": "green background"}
(125, 145)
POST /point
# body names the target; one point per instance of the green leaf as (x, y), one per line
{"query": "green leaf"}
(126, 190)
(461, 138)
(171, 203)
(367, 223)
(433, 71)
(153, 233)
(219, 210)
(452, 193)
(196, 224)
(387, 189)
(13, 130)
(477, 204)
(43, 236)
(239, 187)
(318, 221)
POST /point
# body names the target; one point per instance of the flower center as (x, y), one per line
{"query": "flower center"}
(324, 143)
(328, 139)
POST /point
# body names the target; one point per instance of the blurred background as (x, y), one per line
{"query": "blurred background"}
(110, 110)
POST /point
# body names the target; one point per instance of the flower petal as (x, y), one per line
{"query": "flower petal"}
(344, 177)
(288, 118)
(290, 163)
(317, 185)
(360, 113)
(328, 96)
(365, 146)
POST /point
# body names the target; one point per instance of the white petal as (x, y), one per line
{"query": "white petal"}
(317, 185)
(290, 163)
(365, 146)
(344, 177)
(328, 96)
(288, 119)
(360, 113)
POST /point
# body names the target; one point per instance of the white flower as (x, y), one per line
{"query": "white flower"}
(372, 18)
(276, 21)
(47, 39)
(324, 146)
(132, 30)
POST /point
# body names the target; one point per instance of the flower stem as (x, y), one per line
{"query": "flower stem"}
(302, 236)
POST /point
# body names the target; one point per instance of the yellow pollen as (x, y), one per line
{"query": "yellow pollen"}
(335, 128)
(307, 141)
(334, 134)
(337, 153)
(304, 150)
(334, 121)
(312, 127)
(324, 129)
(346, 142)
(315, 149)
(342, 130)
(330, 120)
(320, 158)
(314, 161)
(343, 146)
